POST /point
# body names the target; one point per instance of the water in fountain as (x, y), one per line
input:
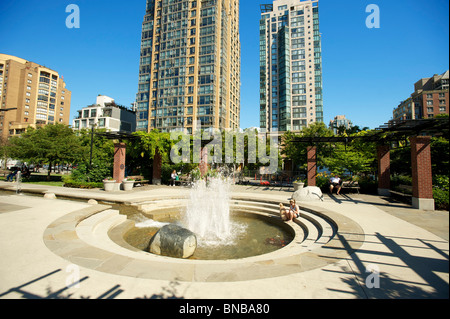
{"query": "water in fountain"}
(18, 182)
(208, 212)
(221, 233)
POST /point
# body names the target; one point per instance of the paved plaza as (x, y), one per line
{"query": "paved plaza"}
(401, 252)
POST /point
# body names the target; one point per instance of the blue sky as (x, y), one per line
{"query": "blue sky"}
(366, 72)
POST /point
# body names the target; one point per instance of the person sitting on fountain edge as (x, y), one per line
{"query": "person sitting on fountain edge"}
(291, 213)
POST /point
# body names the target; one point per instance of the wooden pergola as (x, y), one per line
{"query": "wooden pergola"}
(417, 132)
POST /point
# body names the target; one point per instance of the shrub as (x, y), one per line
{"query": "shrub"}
(96, 174)
(441, 192)
(368, 185)
(69, 182)
(441, 181)
(323, 181)
(441, 199)
(397, 180)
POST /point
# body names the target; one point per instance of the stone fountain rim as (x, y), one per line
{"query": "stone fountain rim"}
(61, 238)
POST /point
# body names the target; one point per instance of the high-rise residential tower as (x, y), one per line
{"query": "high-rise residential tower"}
(290, 65)
(34, 94)
(190, 65)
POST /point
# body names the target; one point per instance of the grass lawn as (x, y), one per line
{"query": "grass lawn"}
(50, 183)
(40, 181)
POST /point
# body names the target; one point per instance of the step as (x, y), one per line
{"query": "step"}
(94, 230)
(312, 232)
(327, 230)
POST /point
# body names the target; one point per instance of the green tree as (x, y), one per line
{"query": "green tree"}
(148, 151)
(102, 157)
(296, 151)
(3, 150)
(50, 144)
(440, 156)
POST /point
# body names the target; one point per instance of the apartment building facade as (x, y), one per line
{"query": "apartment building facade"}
(35, 94)
(190, 66)
(430, 98)
(291, 95)
(106, 114)
(338, 122)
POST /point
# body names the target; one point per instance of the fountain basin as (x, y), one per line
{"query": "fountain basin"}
(93, 238)
(253, 235)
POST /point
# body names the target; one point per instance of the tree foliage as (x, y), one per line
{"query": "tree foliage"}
(296, 151)
(102, 157)
(51, 144)
(352, 157)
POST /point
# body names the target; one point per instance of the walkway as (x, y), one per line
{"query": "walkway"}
(409, 250)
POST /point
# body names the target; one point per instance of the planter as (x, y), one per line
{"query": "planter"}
(298, 186)
(109, 186)
(128, 185)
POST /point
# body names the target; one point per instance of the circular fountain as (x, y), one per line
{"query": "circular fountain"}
(240, 236)
(223, 232)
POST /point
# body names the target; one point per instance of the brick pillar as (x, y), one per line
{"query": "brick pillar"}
(289, 167)
(422, 178)
(384, 170)
(312, 165)
(157, 168)
(203, 161)
(120, 151)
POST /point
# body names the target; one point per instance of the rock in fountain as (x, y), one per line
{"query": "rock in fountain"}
(173, 241)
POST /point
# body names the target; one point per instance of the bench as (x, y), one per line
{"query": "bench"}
(184, 181)
(4, 172)
(139, 179)
(350, 185)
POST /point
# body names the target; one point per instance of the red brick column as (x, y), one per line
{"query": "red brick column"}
(312, 165)
(203, 161)
(384, 169)
(120, 151)
(422, 178)
(157, 168)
